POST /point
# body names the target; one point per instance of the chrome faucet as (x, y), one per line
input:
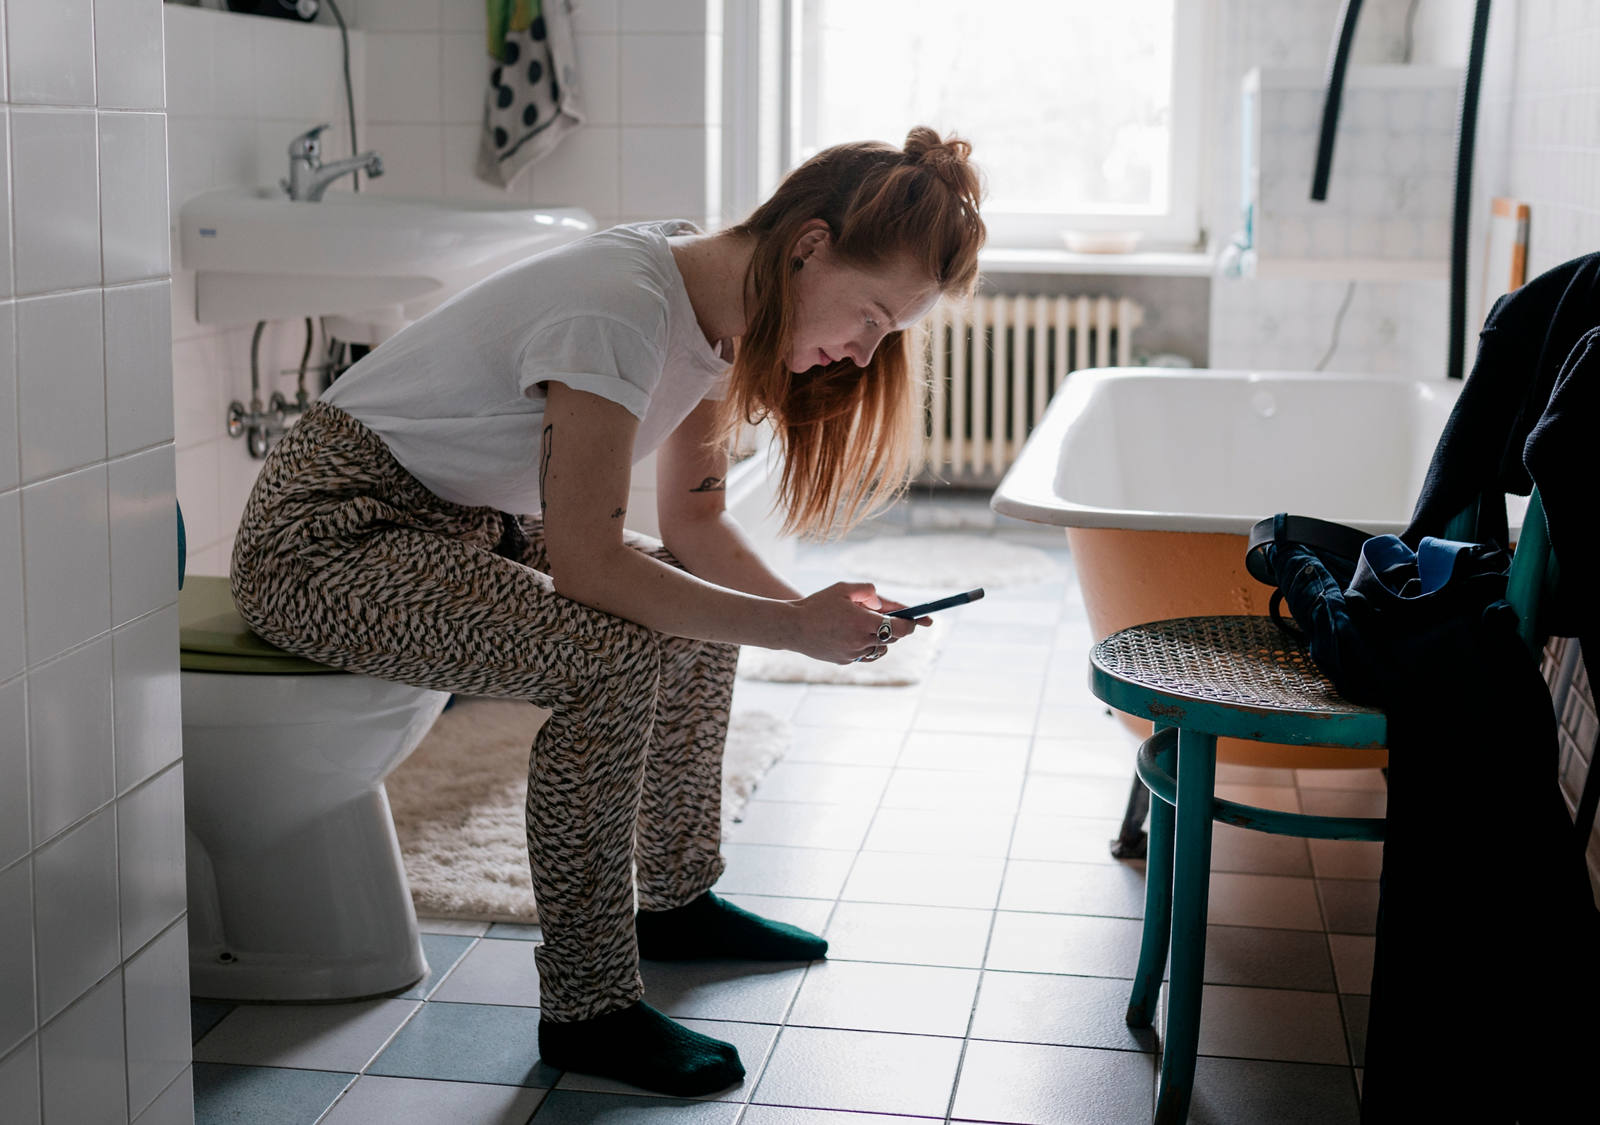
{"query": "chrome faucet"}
(309, 177)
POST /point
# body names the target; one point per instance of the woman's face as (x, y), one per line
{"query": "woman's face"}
(842, 312)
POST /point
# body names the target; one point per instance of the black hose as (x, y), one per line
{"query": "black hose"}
(1461, 218)
(1331, 99)
(349, 92)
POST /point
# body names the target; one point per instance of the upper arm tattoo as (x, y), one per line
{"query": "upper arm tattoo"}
(710, 484)
(544, 466)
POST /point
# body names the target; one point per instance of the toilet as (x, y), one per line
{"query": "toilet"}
(296, 888)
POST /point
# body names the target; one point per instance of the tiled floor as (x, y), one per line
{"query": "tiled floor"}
(949, 838)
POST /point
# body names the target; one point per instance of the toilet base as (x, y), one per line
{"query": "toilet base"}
(344, 930)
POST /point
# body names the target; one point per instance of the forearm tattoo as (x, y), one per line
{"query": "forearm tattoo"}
(710, 484)
(619, 513)
(544, 467)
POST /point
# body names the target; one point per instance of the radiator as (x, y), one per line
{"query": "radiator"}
(991, 367)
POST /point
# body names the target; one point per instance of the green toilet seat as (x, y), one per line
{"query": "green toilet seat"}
(212, 637)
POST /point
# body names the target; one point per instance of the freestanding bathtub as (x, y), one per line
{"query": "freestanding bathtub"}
(1157, 475)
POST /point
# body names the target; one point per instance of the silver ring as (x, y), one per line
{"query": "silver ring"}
(885, 631)
(873, 655)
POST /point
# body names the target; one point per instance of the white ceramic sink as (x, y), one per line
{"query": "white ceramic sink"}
(375, 262)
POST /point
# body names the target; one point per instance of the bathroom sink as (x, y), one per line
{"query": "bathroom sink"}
(375, 262)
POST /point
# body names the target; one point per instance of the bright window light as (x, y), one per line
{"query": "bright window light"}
(1073, 107)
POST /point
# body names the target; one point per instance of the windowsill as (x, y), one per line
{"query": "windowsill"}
(1149, 263)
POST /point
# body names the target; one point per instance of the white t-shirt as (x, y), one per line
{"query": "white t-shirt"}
(455, 395)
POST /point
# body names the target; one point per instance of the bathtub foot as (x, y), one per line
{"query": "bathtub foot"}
(1131, 841)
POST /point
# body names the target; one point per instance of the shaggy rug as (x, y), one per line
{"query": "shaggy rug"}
(458, 804)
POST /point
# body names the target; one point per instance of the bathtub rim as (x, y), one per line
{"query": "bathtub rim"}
(1026, 492)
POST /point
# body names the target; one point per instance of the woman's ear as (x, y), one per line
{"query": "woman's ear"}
(813, 236)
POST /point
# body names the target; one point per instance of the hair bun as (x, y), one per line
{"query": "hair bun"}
(945, 157)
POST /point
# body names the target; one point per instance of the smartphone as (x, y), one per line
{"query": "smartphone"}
(914, 611)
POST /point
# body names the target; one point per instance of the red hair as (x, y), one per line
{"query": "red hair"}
(845, 431)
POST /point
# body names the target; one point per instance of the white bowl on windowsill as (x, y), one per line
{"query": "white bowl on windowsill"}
(1102, 241)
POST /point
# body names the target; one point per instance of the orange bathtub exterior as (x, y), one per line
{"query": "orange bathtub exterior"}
(1130, 577)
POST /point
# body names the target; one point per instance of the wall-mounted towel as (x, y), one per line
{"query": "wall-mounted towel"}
(532, 100)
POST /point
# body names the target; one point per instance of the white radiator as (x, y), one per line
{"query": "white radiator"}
(991, 367)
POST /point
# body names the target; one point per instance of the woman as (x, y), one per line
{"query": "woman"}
(377, 539)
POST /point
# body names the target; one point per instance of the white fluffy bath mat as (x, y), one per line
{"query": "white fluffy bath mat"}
(458, 805)
(946, 563)
(906, 662)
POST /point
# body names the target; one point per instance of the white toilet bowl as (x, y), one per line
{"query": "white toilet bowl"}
(296, 888)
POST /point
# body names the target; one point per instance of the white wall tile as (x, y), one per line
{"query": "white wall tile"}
(187, 34)
(15, 838)
(589, 16)
(663, 171)
(401, 15)
(156, 994)
(66, 562)
(82, 1059)
(463, 78)
(147, 711)
(666, 15)
(50, 49)
(127, 41)
(463, 15)
(237, 476)
(55, 184)
(413, 159)
(585, 171)
(402, 78)
(133, 196)
(69, 737)
(150, 837)
(197, 492)
(144, 533)
(10, 462)
(13, 652)
(175, 1106)
(16, 955)
(234, 74)
(198, 406)
(61, 384)
(138, 337)
(75, 910)
(7, 286)
(664, 80)
(19, 1084)
(460, 158)
(599, 84)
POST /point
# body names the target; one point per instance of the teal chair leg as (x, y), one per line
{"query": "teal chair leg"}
(1197, 774)
(1157, 895)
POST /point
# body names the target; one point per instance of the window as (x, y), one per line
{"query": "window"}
(1083, 114)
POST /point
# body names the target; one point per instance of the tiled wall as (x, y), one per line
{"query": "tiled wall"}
(241, 87)
(1292, 322)
(93, 951)
(1389, 190)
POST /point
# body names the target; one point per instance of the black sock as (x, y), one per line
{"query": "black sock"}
(711, 927)
(640, 1046)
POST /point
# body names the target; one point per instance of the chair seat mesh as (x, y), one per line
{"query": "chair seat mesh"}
(1247, 661)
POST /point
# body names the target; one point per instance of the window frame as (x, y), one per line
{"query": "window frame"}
(770, 47)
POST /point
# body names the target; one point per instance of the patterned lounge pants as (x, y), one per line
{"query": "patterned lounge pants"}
(345, 558)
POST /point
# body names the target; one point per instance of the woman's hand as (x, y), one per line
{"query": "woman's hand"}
(841, 623)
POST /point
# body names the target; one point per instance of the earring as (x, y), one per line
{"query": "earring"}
(798, 262)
